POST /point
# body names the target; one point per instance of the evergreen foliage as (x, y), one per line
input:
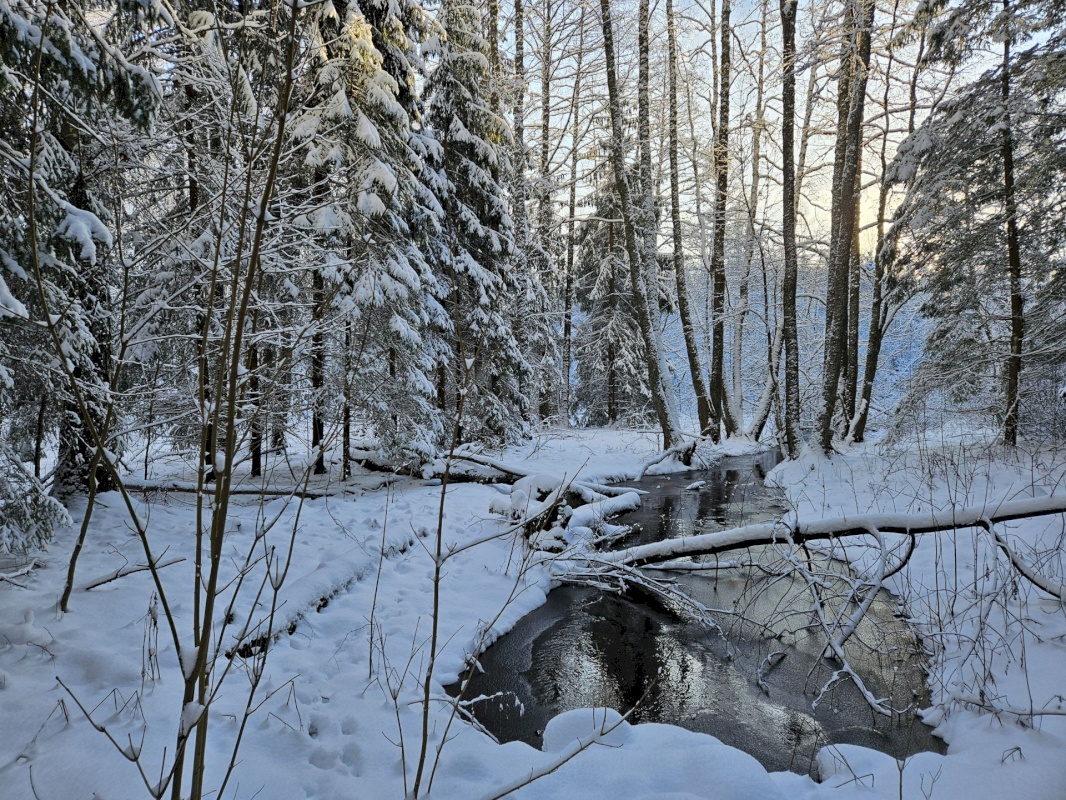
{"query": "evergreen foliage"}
(478, 238)
(611, 378)
(60, 79)
(951, 235)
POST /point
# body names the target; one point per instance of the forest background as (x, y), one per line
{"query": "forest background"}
(374, 234)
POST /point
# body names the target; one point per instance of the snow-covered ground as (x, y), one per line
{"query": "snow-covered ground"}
(338, 713)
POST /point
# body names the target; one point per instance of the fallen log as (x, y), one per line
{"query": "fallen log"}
(208, 488)
(769, 533)
(683, 452)
(510, 474)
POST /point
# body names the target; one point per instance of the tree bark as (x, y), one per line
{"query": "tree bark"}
(544, 213)
(255, 435)
(881, 311)
(648, 226)
(711, 429)
(521, 220)
(788, 227)
(719, 402)
(493, 34)
(736, 394)
(571, 227)
(770, 533)
(346, 412)
(1014, 259)
(851, 103)
(850, 370)
(318, 372)
(38, 438)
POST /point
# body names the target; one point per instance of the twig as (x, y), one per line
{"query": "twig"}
(122, 572)
(19, 573)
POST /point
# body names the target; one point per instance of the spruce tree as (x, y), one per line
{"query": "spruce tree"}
(385, 219)
(475, 258)
(979, 228)
(60, 81)
(611, 372)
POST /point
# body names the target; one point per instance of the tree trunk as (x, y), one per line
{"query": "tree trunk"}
(571, 227)
(612, 353)
(907, 524)
(544, 212)
(255, 437)
(881, 312)
(318, 369)
(691, 346)
(806, 131)
(774, 342)
(492, 24)
(667, 421)
(788, 227)
(851, 352)
(851, 103)
(743, 306)
(346, 413)
(719, 403)
(548, 397)
(38, 439)
(521, 221)
(649, 228)
(711, 429)
(1014, 259)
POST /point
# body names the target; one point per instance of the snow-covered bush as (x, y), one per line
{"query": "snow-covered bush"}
(28, 516)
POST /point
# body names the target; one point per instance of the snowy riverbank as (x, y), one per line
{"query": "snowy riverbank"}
(338, 711)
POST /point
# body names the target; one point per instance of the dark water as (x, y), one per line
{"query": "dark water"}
(751, 684)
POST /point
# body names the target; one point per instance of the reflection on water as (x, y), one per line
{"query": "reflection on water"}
(732, 494)
(583, 648)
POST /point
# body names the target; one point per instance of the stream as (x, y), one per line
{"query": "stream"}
(751, 683)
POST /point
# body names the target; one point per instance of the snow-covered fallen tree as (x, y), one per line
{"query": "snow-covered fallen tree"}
(800, 532)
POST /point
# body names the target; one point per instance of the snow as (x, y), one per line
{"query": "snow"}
(370, 204)
(367, 133)
(85, 229)
(358, 599)
(9, 304)
(190, 715)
